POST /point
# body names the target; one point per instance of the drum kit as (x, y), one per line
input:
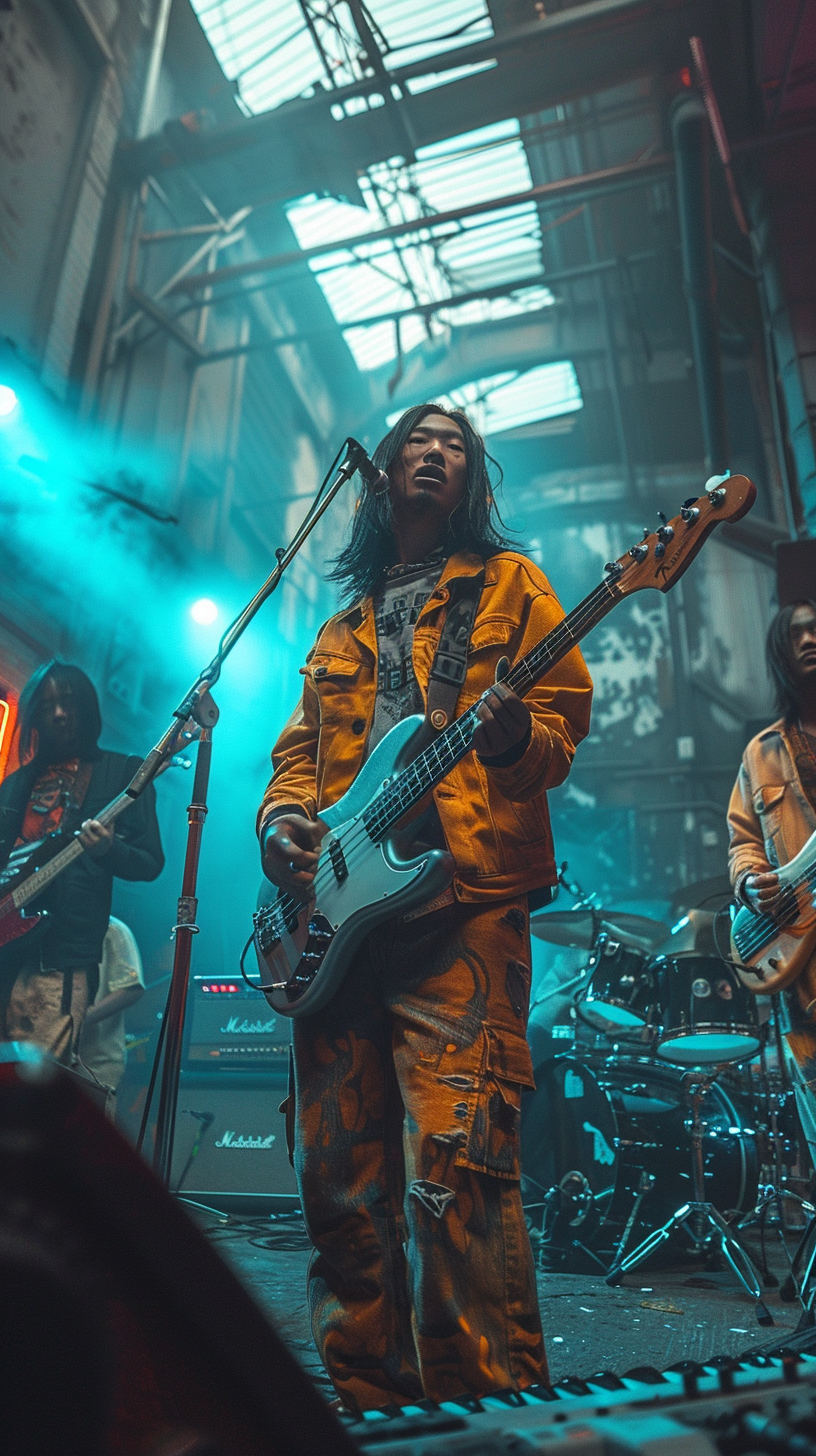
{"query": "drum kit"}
(661, 1105)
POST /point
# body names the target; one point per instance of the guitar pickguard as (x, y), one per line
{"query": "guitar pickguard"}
(303, 956)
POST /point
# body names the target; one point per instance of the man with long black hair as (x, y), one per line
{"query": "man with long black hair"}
(407, 1085)
(772, 814)
(63, 783)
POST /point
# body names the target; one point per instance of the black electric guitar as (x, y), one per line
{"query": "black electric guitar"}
(304, 947)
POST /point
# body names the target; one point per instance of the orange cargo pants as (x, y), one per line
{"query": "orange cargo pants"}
(407, 1095)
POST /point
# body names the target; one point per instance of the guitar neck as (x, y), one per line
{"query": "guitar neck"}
(431, 766)
(26, 891)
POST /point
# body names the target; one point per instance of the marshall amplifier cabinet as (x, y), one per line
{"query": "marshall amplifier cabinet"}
(229, 1150)
(231, 1027)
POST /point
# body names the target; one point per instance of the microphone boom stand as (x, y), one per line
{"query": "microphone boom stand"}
(198, 705)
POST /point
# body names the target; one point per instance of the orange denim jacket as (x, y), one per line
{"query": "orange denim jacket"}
(495, 820)
(769, 817)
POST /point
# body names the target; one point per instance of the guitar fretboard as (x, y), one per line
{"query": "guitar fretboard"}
(431, 766)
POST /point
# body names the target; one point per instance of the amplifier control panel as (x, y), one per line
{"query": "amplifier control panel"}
(231, 1026)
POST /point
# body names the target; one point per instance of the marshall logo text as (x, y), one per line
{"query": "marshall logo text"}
(241, 1140)
(237, 1027)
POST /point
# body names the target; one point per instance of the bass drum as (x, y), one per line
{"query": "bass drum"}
(654, 1137)
(625, 1118)
(567, 1126)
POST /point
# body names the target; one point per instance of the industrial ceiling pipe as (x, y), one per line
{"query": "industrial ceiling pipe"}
(690, 135)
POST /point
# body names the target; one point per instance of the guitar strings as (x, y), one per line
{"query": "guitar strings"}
(384, 815)
(64, 857)
(541, 655)
(561, 632)
(762, 934)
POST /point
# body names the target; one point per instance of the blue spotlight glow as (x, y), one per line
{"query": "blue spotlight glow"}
(204, 611)
(8, 401)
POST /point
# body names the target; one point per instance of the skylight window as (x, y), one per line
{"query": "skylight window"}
(267, 49)
(508, 401)
(460, 257)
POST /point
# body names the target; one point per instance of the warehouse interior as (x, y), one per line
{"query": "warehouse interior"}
(235, 233)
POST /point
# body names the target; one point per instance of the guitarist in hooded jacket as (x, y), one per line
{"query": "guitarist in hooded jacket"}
(407, 1084)
(48, 980)
(771, 816)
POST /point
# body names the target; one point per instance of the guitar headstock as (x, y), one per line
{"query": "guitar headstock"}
(661, 557)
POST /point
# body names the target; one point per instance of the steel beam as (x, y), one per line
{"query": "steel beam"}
(301, 147)
(427, 310)
(476, 350)
(587, 185)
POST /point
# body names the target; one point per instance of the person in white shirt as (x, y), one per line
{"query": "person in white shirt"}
(102, 1050)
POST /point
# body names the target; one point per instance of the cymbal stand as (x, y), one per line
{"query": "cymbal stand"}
(646, 1183)
(774, 1194)
(699, 1219)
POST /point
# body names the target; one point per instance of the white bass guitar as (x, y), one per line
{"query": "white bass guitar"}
(304, 947)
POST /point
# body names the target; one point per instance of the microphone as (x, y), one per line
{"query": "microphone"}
(375, 479)
(205, 1118)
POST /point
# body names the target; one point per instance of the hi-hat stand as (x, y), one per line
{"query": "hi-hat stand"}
(770, 1207)
(699, 1220)
(198, 706)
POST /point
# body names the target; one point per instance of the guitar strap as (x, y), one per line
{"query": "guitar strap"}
(72, 817)
(449, 668)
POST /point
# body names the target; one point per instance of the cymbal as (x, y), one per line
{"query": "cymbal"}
(566, 927)
(581, 928)
(694, 932)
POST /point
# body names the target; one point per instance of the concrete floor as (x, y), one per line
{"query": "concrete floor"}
(657, 1317)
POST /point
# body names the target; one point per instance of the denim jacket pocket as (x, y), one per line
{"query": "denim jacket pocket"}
(333, 678)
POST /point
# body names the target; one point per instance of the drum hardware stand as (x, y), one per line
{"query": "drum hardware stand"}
(698, 1218)
(805, 1289)
(646, 1183)
(775, 1192)
(571, 1194)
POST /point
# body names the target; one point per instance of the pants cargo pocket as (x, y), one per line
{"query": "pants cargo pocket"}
(493, 1143)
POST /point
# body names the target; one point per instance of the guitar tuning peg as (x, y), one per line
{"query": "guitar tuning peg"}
(661, 516)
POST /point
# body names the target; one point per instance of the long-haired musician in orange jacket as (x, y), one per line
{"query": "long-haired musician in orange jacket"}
(771, 816)
(407, 1084)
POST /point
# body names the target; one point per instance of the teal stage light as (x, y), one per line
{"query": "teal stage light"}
(204, 611)
(8, 401)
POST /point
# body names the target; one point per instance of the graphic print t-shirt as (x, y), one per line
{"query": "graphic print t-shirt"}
(397, 605)
(59, 787)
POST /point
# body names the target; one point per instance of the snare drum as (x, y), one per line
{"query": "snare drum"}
(621, 994)
(707, 1015)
